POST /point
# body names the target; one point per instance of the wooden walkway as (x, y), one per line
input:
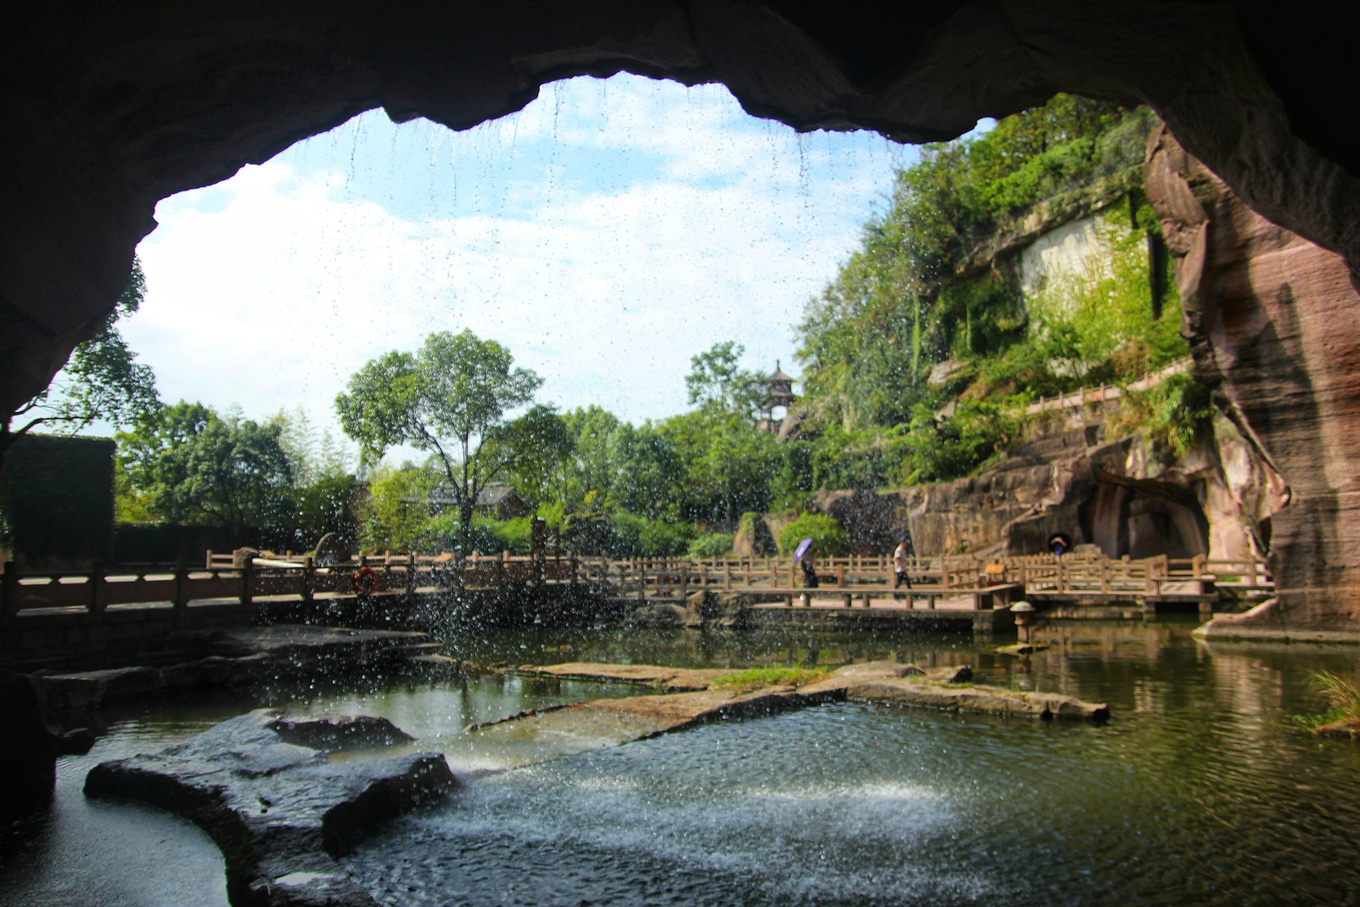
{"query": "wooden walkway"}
(939, 585)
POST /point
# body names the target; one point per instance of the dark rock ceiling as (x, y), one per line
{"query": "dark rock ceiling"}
(111, 107)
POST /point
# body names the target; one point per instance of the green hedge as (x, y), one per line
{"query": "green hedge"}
(828, 538)
(56, 498)
(165, 543)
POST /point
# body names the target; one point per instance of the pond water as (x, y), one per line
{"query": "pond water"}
(1199, 790)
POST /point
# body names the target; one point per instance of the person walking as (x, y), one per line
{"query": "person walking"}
(905, 551)
(809, 572)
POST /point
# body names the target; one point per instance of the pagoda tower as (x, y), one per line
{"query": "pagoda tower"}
(779, 393)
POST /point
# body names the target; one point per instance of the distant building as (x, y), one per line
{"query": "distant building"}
(778, 395)
(498, 501)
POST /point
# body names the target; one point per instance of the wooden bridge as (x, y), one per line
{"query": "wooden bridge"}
(948, 584)
(951, 584)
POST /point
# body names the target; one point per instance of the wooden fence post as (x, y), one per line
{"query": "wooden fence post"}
(9, 591)
(98, 593)
(308, 580)
(246, 569)
(181, 585)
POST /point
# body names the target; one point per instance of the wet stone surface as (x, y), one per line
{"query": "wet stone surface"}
(280, 813)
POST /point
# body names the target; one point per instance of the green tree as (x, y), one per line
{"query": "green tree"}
(726, 465)
(539, 447)
(646, 471)
(101, 380)
(717, 380)
(395, 515)
(590, 471)
(450, 399)
(186, 464)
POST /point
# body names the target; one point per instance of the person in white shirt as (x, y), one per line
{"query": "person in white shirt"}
(900, 557)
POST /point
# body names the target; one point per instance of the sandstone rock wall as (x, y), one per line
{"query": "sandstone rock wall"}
(1274, 322)
(1121, 496)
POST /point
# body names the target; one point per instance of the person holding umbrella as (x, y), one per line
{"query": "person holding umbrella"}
(802, 556)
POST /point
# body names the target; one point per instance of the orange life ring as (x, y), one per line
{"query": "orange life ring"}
(365, 581)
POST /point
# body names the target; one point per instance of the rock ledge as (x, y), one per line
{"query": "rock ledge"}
(280, 812)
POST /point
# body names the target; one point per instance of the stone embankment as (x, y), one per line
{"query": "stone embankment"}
(279, 809)
(692, 700)
(253, 655)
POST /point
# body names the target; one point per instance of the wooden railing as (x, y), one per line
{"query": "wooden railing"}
(266, 577)
(1088, 395)
(300, 578)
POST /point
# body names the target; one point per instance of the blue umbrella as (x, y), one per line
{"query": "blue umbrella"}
(801, 550)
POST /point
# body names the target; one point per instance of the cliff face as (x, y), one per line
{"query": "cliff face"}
(1121, 496)
(1274, 322)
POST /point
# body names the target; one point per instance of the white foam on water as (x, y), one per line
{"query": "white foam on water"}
(877, 791)
(301, 879)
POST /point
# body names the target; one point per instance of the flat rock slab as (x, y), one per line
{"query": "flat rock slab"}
(598, 724)
(672, 680)
(280, 812)
(558, 731)
(986, 699)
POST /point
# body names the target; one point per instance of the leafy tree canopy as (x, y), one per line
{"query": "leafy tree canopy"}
(187, 464)
(101, 381)
(716, 380)
(450, 399)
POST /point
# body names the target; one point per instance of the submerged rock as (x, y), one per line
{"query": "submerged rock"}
(1020, 648)
(281, 812)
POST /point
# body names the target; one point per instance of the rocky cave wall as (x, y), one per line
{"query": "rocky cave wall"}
(110, 108)
(1122, 496)
(1274, 322)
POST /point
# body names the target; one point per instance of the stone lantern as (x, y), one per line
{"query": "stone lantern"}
(1024, 617)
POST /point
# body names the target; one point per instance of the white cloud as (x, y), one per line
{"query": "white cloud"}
(270, 289)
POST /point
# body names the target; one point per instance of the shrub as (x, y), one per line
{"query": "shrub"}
(711, 544)
(639, 536)
(1173, 413)
(515, 536)
(1342, 698)
(828, 538)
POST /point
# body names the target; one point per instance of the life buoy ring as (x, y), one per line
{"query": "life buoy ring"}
(365, 581)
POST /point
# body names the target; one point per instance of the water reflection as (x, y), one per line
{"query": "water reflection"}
(1198, 791)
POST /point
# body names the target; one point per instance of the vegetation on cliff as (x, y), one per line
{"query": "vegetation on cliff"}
(933, 293)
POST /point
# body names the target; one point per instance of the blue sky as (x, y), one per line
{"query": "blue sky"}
(605, 234)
